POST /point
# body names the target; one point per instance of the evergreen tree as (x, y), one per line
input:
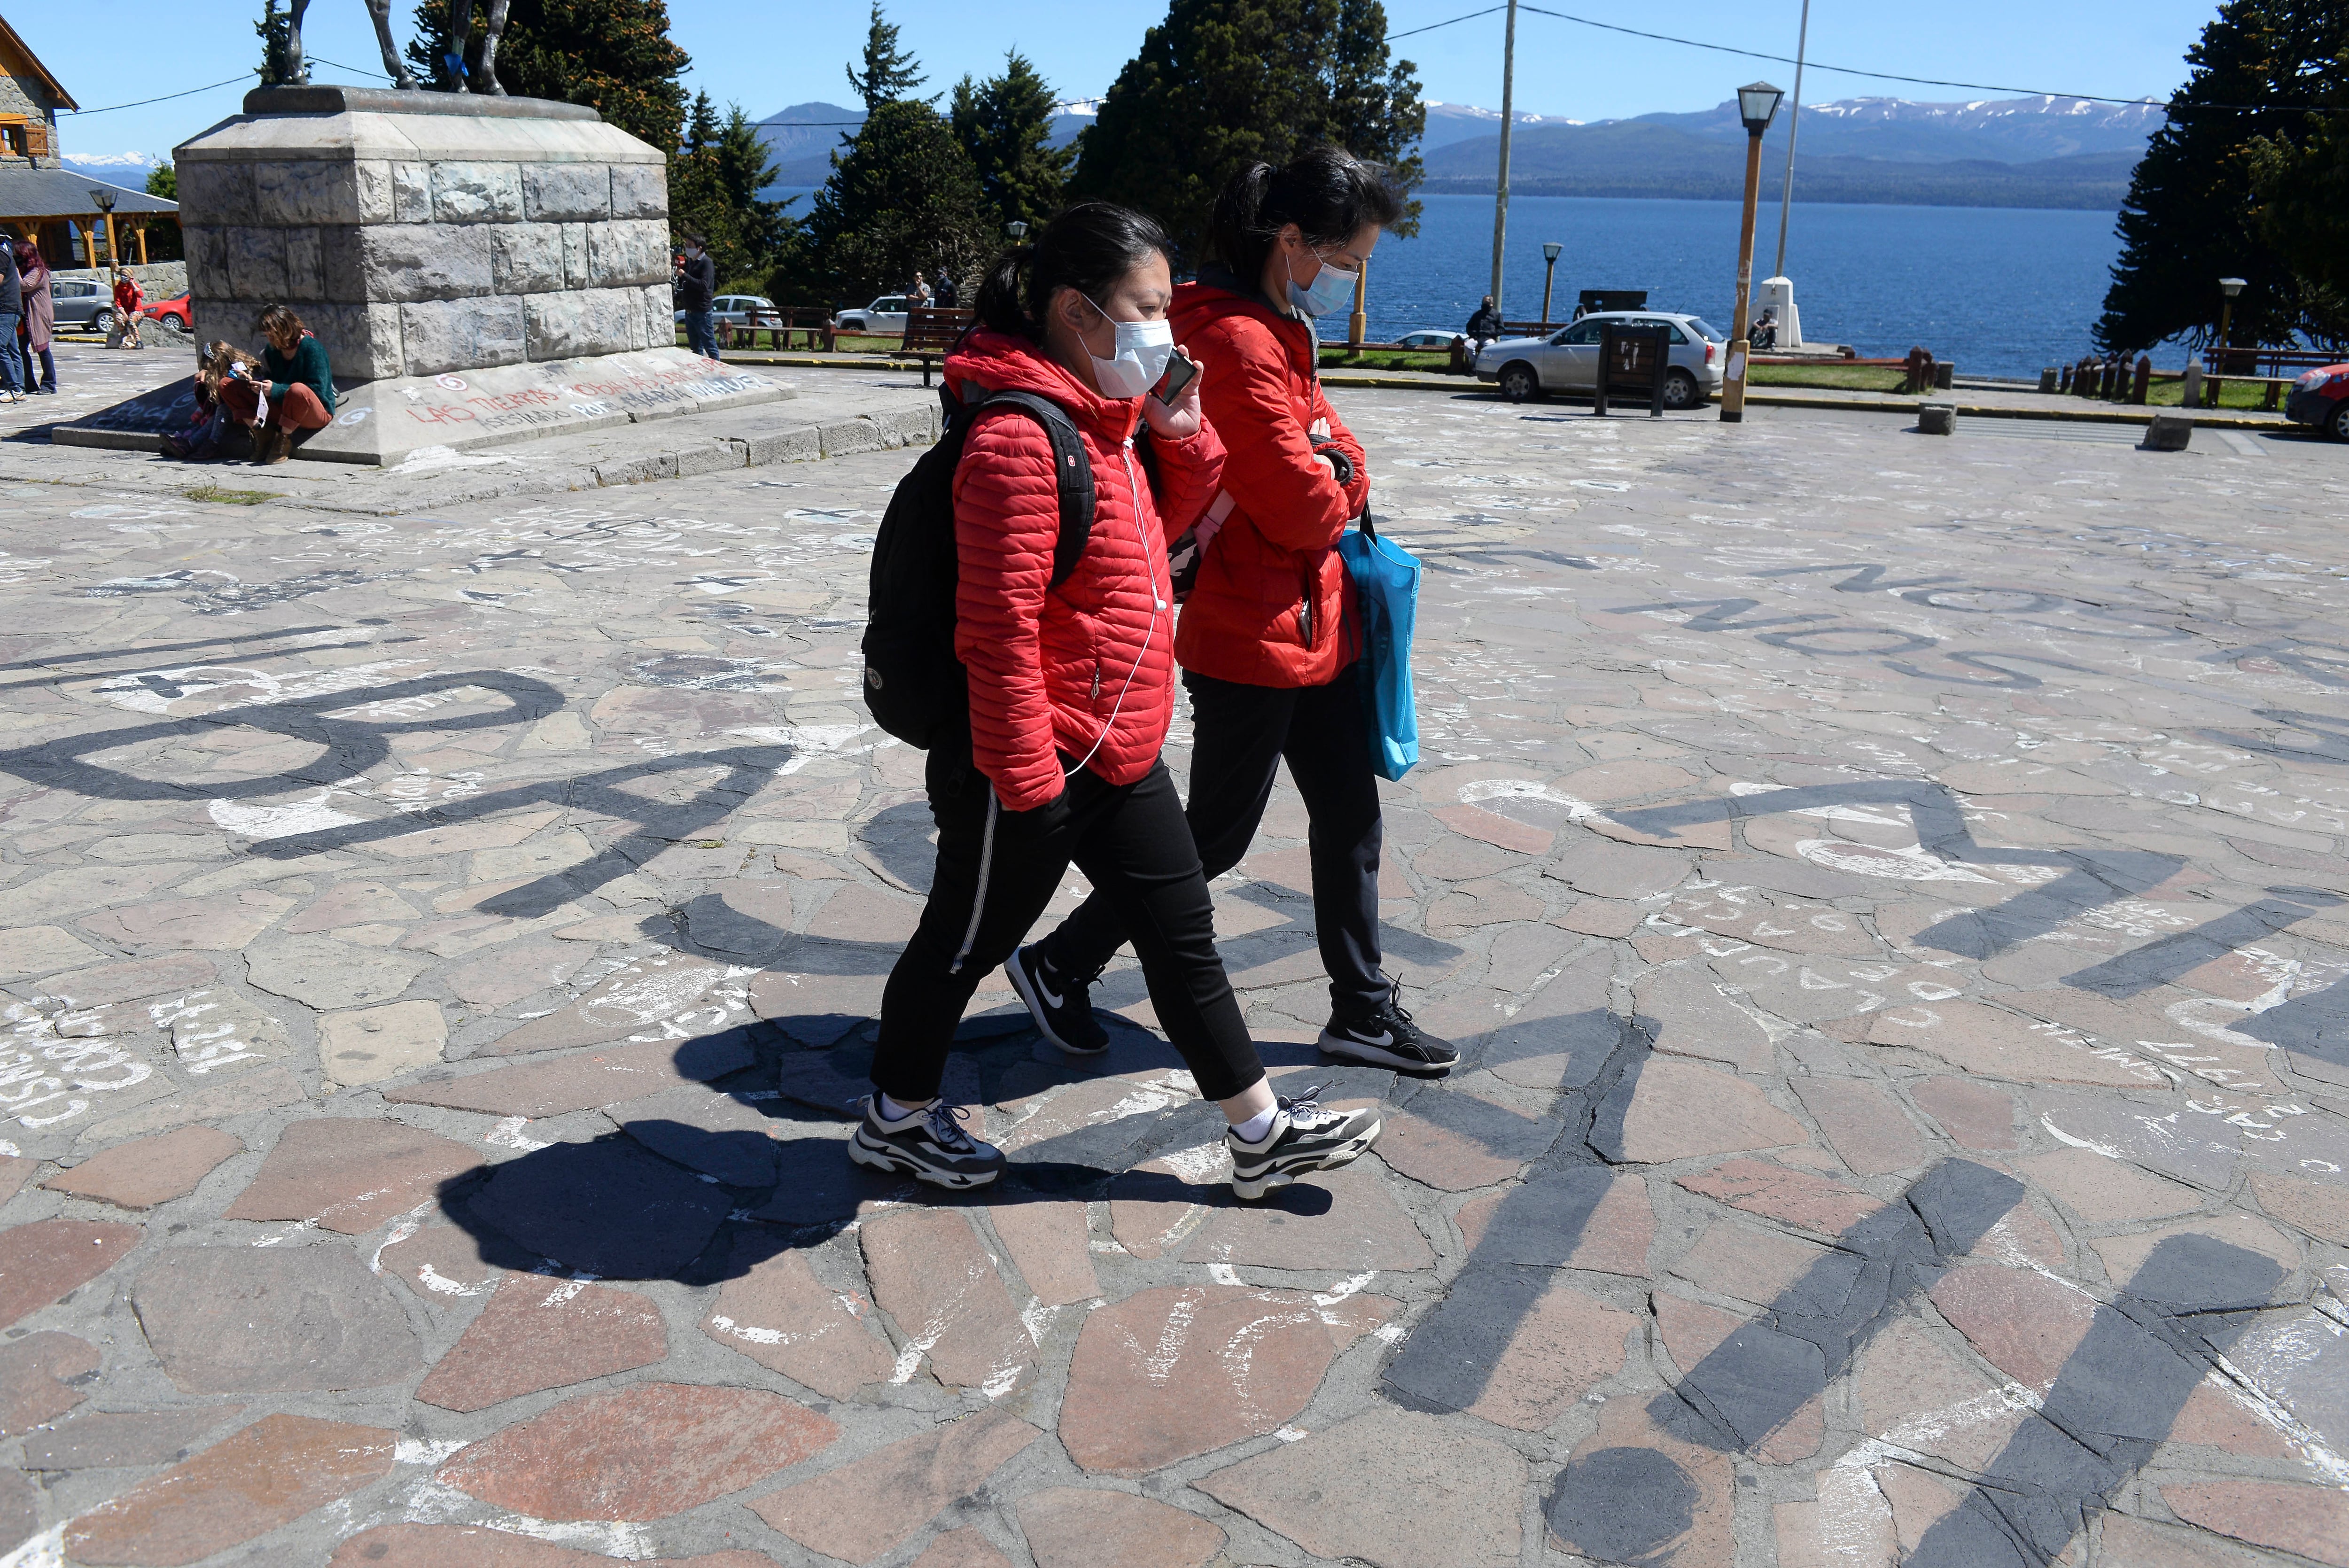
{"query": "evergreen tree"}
(1005, 123)
(2191, 216)
(2302, 185)
(890, 72)
(614, 56)
(714, 180)
(1221, 83)
(903, 198)
(276, 29)
(163, 180)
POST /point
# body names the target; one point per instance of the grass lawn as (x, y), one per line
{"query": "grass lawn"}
(1839, 377)
(1336, 357)
(2233, 394)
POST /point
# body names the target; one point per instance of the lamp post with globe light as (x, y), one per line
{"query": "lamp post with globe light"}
(1550, 248)
(1757, 105)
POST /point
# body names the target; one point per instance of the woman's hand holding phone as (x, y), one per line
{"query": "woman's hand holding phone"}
(1177, 421)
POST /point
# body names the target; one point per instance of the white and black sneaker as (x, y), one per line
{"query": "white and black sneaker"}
(1388, 1039)
(929, 1145)
(1303, 1138)
(1062, 1006)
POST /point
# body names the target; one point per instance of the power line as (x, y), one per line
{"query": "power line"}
(1875, 76)
(167, 98)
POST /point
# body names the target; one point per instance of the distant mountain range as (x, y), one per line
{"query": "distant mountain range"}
(1995, 152)
(2003, 152)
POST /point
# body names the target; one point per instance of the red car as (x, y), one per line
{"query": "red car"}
(174, 311)
(2320, 398)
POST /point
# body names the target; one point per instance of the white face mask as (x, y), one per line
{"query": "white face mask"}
(1144, 350)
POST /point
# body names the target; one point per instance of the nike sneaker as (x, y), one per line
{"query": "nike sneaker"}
(1387, 1037)
(1063, 1005)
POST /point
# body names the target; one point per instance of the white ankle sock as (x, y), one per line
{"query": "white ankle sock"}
(891, 1111)
(1253, 1129)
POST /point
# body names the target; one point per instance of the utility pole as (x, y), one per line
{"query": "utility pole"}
(1508, 120)
(1794, 124)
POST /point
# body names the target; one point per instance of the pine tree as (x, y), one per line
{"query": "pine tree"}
(903, 198)
(2302, 186)
(277, 31)
(714, 180)
(2192, 215)
(614, 56)
(890, 72)
(1221, 83)
(1005, 123)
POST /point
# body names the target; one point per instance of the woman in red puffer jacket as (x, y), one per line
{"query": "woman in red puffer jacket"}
(1269, 644)
(1071, 692)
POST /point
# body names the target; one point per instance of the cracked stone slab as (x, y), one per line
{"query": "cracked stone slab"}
(234, 1320)
(539, 1332)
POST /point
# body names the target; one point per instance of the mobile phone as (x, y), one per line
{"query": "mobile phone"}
(1179, 371)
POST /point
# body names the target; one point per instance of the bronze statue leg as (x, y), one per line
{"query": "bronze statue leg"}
(401, 76)
(497, 26)
(297, 69)
(461, 29)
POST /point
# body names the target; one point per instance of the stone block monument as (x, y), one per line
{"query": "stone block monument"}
(479, 269)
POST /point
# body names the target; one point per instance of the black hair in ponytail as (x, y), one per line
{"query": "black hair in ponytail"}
(1088, 247)
(1328, 192)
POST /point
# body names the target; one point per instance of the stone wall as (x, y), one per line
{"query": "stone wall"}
(26, 96)
(417, 243)
(159, 280)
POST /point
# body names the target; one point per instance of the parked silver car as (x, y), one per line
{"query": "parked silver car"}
(734, 309)
(82, 305)
(1568, 360)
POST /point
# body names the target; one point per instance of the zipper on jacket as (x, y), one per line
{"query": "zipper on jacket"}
(1096, 691)
(1305, 606)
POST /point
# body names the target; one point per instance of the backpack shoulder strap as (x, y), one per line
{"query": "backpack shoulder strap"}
(1070, 465)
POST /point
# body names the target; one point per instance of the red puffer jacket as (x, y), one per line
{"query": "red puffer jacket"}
(1087, 667)
(1273, 604)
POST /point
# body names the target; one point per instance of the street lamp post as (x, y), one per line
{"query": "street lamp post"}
(1550, 248)
(1358, 324)
(2230, 287)
(103, 200)
(1757, 105)
(1017, 229)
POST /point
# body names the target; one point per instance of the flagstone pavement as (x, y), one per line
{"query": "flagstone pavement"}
(1889, 889)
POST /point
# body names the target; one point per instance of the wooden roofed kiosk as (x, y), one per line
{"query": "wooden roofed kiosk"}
(71, 217)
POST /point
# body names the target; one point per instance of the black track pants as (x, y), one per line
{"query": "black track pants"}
(1240, 735)
(996, 872)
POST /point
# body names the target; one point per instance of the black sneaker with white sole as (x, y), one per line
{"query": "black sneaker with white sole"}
(1304, 1137)
(1061, 1005)
(929, 1145)
(1388, 1039)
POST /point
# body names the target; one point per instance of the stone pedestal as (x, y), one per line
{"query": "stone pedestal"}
(481, 269)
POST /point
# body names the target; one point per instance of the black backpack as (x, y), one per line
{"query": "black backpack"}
(916, 688)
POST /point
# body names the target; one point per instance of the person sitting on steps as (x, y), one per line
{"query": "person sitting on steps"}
(301, 384)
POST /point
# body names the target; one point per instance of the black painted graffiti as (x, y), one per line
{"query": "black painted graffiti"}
(2142, 968)
(2090, 879)
(1754, 1381)
(2330, 737)
(2114, 1402)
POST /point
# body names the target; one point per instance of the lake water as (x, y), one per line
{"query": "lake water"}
(2001, 290)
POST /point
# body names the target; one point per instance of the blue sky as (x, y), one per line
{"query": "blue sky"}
(766, 56)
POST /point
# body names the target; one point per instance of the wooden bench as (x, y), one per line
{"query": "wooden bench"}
(2283, 364)
(929, 333)
(813, 324)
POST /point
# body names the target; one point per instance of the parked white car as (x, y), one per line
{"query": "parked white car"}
(734, 309)
(1428, 337)
(1568, 360)
(884, 317)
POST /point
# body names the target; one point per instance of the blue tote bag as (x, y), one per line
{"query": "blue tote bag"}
(1386, 589)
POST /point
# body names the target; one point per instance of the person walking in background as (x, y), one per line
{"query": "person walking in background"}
(128, 299)
(1270, 640)
(1070, 696)
(40, 316)
(1483, 327)
(12, 306)
(696, 296)
(300, 390)
(947, 295)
